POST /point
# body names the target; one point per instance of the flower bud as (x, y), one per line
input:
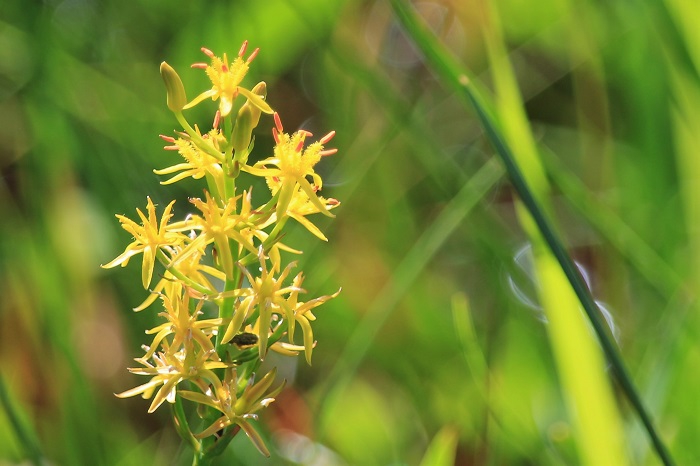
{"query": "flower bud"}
(246, 120)
(176, 96)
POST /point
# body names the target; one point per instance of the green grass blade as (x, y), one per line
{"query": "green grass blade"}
(409, 269)
(25, 437)
(453, 74)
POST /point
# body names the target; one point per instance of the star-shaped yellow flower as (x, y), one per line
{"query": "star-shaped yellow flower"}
(226, 79)
(237, 409)
(300, 206)
(183, 326)
(293, 166)
(298, 311)
(267, 293)
(149, 237)
(198, 163)
(169, 370)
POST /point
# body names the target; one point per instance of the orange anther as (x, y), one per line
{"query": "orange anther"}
(278, 122)
(243, 48)
(207, 52)
(253, 55)
(327, 137)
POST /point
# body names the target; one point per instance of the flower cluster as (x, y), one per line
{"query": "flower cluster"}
(227, 294)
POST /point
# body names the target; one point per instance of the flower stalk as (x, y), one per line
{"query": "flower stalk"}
(226, 290)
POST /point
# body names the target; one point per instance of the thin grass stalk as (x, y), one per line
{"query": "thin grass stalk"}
(407, 272)
(26, 438)
(457, 78)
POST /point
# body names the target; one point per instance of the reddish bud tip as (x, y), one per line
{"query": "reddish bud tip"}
(207, 52)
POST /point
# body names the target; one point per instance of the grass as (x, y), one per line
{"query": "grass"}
(427, 356)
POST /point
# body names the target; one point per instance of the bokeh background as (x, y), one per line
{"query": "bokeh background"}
(612, 92)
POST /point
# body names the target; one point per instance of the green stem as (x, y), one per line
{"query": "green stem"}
(453, 74)
(183, 427)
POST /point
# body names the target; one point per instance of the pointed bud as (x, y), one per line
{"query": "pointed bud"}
(247, 119)
(176, 96)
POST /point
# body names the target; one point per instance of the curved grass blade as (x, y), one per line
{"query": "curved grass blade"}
(453, 74)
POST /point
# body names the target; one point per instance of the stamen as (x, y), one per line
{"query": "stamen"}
(324, 140)
(243, 48)
(278, 122)
(331, 201)
(202, 66)
(275, 134)
(207, 52)
(224, 68)
(217, 119)
(253, 55)
(305, 133)
(327, 152)
(171, 148)
(165, 138)
(299, 146)
(182, 134)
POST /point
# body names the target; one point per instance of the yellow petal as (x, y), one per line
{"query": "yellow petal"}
(256, 100)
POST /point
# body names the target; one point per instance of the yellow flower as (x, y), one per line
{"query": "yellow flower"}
(294, 165)
(198, 162)
(267, 293)
(219, 225)
(226, 79)
(149, 237)
(183, 326)
(300, 206)
(192, 267)
(169, 370)
(237, 409)
(298, 311)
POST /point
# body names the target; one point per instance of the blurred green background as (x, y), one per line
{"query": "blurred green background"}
(612, 92)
